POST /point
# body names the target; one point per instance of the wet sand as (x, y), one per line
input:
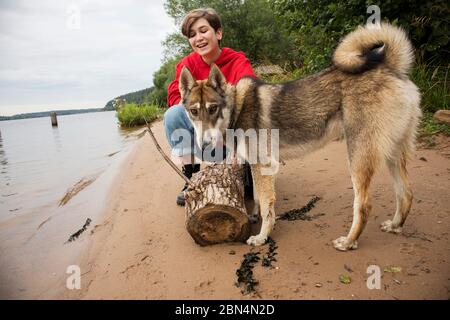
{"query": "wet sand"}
(35, 247)
(141, 249)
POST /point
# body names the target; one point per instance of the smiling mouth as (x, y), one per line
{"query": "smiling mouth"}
(202, 45)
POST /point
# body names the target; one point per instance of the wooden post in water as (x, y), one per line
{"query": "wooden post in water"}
(54, 119)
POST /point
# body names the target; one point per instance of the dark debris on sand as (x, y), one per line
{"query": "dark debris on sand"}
(74, 236)
(300, 214)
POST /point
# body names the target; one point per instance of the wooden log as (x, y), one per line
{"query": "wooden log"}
(215, 207)
(54, 119)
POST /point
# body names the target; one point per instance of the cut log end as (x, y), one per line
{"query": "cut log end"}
(215, 209)
(214, 224)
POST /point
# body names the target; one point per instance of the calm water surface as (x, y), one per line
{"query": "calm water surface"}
(39, 162)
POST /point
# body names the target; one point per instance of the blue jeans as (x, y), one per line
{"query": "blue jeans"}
(180, 134)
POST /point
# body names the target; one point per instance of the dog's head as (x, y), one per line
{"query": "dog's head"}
(209, 105)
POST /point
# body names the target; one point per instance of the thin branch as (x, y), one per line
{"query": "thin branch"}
(169, 161)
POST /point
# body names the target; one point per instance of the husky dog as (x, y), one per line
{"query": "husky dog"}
(365, 97)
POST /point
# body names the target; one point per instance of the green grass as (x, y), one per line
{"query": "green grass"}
(430, 127)
(132, 114)
(434, 84)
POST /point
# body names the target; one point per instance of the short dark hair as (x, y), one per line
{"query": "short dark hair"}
(208, 13)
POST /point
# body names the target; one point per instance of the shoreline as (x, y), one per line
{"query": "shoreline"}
(101, 230)
(34, 246)
(112, 182)
(143, 251)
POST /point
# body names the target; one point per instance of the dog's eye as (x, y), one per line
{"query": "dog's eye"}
(194, 112)
(212, 108)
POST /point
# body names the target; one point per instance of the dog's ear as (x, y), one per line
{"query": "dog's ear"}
(186, 82)
(216, 78)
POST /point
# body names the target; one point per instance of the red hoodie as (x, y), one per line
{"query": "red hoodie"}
(234, 65)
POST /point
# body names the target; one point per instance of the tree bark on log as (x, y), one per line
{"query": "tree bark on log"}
(215, 208)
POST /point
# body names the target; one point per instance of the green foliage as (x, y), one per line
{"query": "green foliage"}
(161, 80)
(430, 127)
(279, 78)
(434, 84)
(300, 36)
(428, 26)
(139, 97)
(175, 45)
(132, 114)
(248, 26)
(317, 26)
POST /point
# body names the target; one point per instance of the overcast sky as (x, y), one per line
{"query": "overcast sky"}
(77, 54)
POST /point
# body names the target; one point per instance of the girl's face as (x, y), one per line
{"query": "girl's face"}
(203, 38)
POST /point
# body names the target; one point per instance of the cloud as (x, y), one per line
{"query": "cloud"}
(70, 52)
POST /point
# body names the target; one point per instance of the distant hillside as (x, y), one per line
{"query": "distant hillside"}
(141, 96)
(47, 113)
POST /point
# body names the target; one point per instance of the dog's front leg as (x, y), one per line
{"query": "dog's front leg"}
(265, 190)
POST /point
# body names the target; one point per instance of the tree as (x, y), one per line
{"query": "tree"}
(161, 80)
(318, 25)
(249, 26)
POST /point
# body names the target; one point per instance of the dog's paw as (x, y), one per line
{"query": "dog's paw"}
(388, 227)
(256, 240)
(343, 244)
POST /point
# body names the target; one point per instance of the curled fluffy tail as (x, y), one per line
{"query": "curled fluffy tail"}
(374, 45)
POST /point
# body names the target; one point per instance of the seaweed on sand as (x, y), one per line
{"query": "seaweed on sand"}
(74, 236)
(300, 214)
(269, 257)
(245, 272)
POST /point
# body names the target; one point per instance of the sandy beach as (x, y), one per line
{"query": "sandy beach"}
(141, 249)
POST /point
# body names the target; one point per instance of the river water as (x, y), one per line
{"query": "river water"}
(39, 164)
